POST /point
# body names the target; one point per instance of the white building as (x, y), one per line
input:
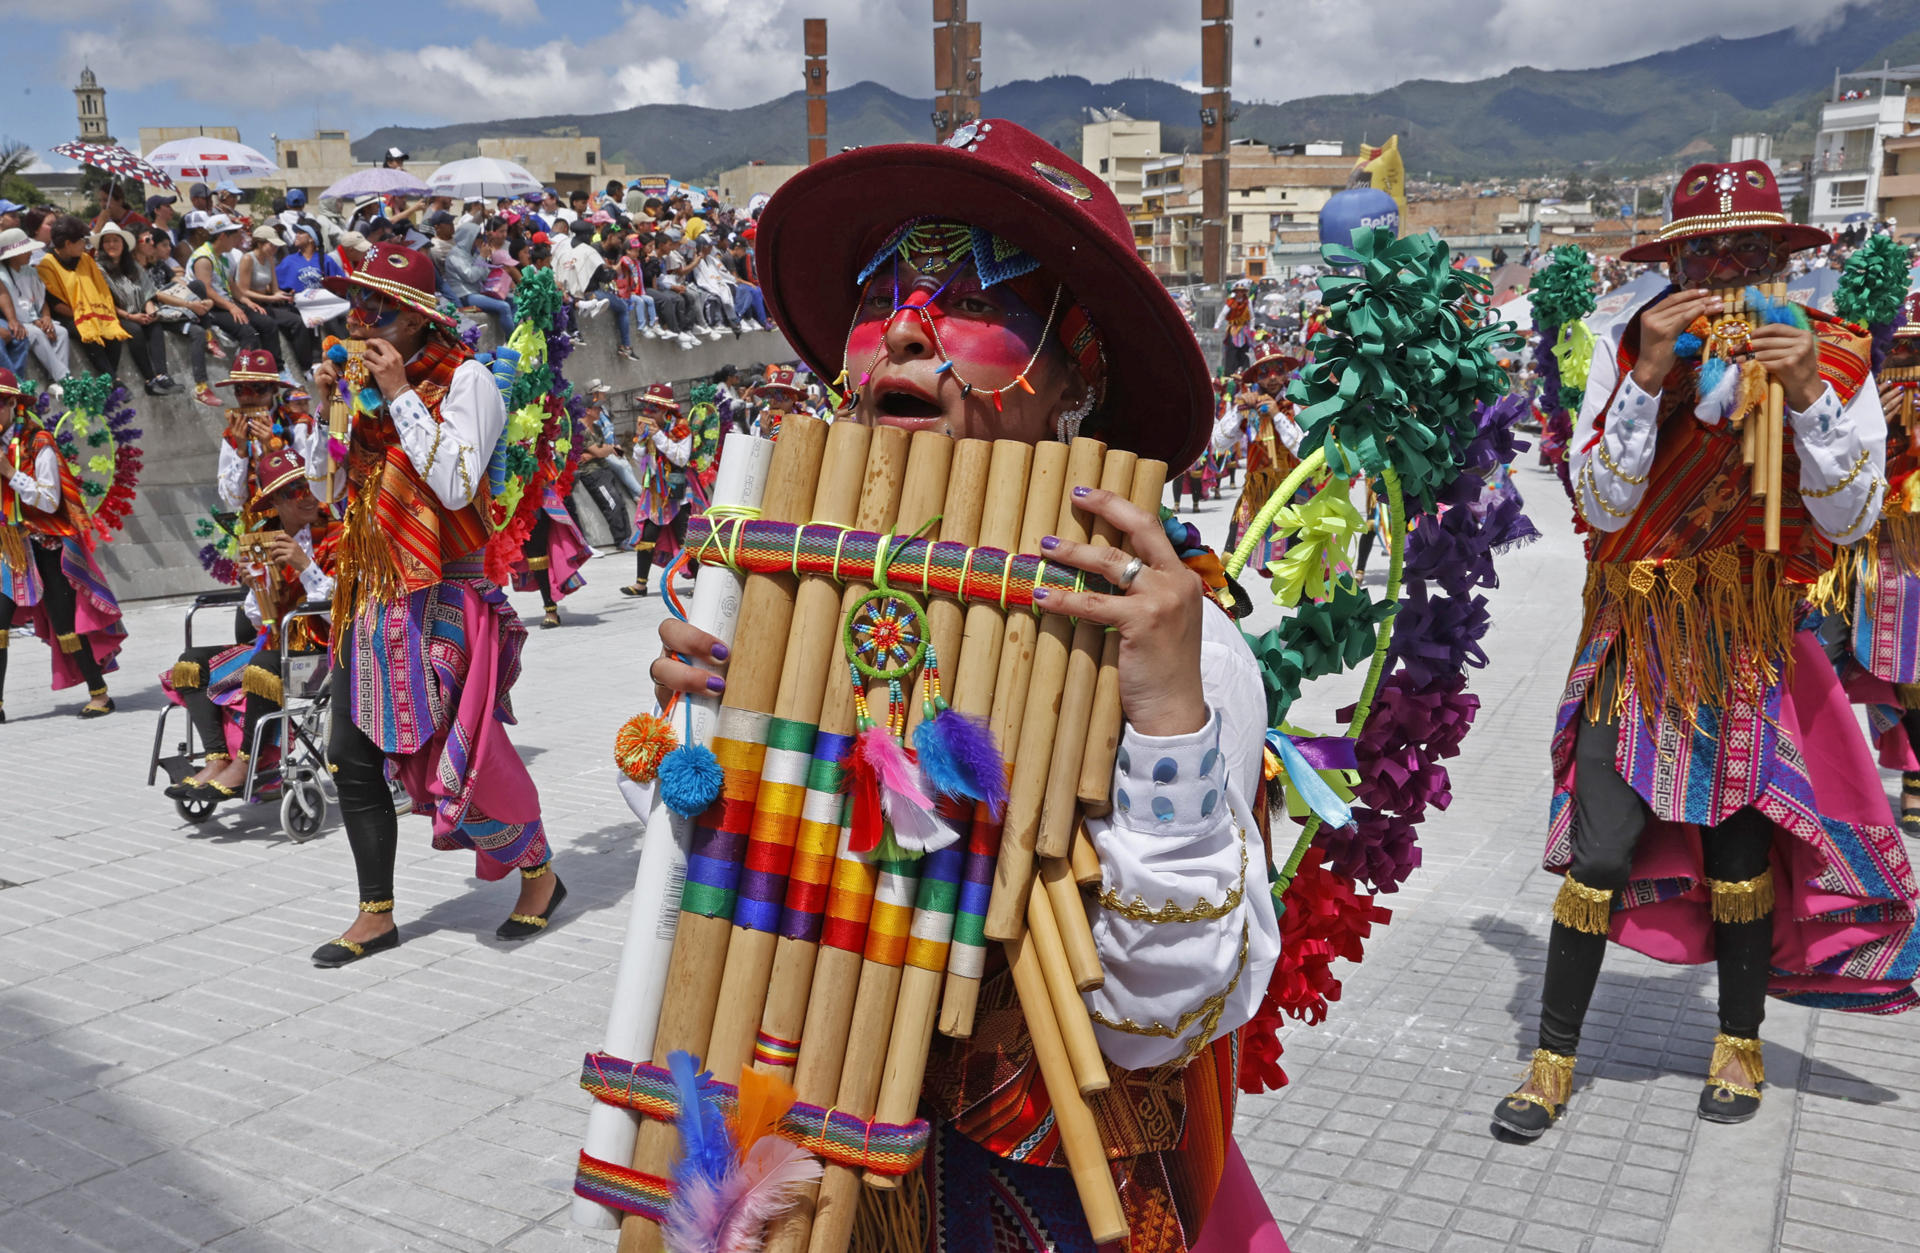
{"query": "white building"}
(1849, 157)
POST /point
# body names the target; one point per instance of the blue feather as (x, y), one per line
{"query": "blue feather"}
(706, 1150)
(690, 779)
(957, 758)
(1710, 371)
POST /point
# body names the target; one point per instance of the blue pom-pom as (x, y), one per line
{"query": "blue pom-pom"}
(958, 759)
(1688, 345)
(337, 354)
(690, 779)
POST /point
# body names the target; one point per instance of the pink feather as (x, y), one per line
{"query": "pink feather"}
(695, 1216)
(760, 1191)
(909, 810)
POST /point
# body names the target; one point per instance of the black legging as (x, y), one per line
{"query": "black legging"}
(650, 540)
(1608, 817)
(206, 715)
(57, 595)
(539, 560)
(149, 347)
(366, 802)
(1910, 720)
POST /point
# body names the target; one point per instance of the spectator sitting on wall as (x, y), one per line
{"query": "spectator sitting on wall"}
(468, 266)
(268, 307)
(133, 299)
(78, 296)
(347, 256)
(210, 274)
(712, 278)
(200, 198)
(176, 306)
(23, 306)
(747, 300)
(579, 205)
(441, 224)
(160, 216)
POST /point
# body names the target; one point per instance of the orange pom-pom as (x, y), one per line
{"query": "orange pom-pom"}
(641, 743)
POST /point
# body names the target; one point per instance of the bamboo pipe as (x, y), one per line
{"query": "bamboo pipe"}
(1776, 442)
(857, 468)
(1076, 1029)
(753, 680)
(960, 524)
(1069, 910)
(1076, 697)
(1085, 862)
(1040, 669)
(1103, 727)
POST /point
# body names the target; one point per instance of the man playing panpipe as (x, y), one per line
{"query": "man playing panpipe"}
(989, 289)
(1707, 807)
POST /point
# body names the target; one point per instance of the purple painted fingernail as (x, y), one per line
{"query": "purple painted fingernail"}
(1081, 492)
(1039, 593)
(1049, 542)
(716, 684)
(720, 652)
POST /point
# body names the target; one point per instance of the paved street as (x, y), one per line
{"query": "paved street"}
(174, 1074)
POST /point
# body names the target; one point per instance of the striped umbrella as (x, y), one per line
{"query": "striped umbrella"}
(115, 160)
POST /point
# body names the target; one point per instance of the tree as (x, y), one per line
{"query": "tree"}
(15, 157)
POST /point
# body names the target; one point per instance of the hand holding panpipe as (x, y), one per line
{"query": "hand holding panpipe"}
(1762, 434)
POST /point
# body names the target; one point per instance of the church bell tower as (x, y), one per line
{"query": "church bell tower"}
(92, 98)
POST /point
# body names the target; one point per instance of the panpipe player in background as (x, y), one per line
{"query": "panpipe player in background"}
(1714, 800)
(426, 647)
(989, 289)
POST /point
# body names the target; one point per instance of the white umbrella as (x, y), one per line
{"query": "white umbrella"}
(481, 176)
(210, 160)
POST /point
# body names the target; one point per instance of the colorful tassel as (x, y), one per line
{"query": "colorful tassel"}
(690, 779)
(958, 759)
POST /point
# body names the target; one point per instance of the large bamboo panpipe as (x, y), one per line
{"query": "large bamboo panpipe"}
(653, 914)
(862, 474)
(753, 681)
(1775, 429)
(1103, 726)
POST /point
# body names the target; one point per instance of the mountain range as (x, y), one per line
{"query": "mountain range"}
(1639, 116)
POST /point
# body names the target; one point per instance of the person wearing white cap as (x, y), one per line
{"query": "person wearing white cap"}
(266, 304)
(25, 324)
(210, 269)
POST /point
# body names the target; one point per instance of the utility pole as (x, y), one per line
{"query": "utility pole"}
(1216, 81)
(816, 49)
(956, 68)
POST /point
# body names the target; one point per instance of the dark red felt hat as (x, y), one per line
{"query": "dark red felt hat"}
(1713, 198)
(254, 365)
(826, 222)
(400, 273)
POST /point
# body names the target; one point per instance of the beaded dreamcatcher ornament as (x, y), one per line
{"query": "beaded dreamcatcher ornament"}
(1730, 385)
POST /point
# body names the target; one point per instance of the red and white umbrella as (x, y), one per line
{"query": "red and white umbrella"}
(207, 159)
(115, 160)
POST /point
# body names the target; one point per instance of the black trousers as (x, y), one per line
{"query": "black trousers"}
(535, 550)
(243, 331)
(366, 802)
(58, 596)
(1609, 817)
(650, 540)
(293, 332)
(206, 716)
(1910, 722)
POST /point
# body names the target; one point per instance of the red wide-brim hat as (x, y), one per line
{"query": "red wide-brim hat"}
(1286, 362)
(1715, 198)
(400, 273)
(826, 222)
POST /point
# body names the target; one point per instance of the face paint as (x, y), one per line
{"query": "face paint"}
(990, 336)
(370, 316)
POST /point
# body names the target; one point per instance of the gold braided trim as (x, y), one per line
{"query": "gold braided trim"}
(1593, 490)
(187, 675)
(243, 755)
(1606, 459)
(1206, 1013)
(1691, 631)
(97, 692)
(531, 920)
(1749, 900)
(1552, 1074)
(262, 682)
(539, 563)
(1860, 463)
(377, 907)
(218, 759)
(1583, 908)
(1714, 223)
(350, 946)
(1902, 530)
(69, 642)
(530, 873)
(13, 546)
(365, 569)
(1202, 910)
(1731, 1048)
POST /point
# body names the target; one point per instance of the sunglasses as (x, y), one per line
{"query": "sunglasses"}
(376, 309)
(1705, 255)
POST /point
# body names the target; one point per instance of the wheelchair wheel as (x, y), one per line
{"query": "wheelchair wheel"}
(303, 808)
(196, 811)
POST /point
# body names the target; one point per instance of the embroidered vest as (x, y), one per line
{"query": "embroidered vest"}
(68, 518)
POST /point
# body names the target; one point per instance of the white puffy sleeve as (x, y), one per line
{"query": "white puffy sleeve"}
(231, 480)
(1843, 461)
(452, 454)
(1185, 925)
(40, 489)
(676, 451)
(1610, 477)
(317, 582)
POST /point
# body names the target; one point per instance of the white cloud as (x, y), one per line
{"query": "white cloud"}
(508, 12)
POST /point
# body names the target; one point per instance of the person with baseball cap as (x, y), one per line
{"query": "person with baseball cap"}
(1699, 812)
(413, 559)
(210, 275)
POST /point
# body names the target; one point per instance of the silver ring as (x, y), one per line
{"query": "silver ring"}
(1129, 573)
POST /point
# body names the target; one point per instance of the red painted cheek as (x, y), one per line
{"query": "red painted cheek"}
(990, 354)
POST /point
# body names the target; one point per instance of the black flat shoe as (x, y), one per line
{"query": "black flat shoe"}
(524, 926)
(551, 620)
(1721, 1101)
(634, 589)
(1528, 1116)
(342, 952)
(1909, 818)
(186, 789)
(89, 711)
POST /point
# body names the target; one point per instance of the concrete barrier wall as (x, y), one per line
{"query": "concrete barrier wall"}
(157, 553)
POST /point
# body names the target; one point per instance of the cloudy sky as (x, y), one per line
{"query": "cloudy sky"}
(271, 67)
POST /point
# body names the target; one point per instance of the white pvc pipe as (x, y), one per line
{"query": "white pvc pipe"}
(640, 983)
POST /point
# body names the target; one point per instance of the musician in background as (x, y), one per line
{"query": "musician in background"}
(1044, 327)
(549, 562)
(1697, 814)
(266, 418)
(425, 646)
(48, 576)
(662, 448)
(1273, 439)
(238, 684)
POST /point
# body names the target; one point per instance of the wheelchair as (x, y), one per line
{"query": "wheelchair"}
(299, 776)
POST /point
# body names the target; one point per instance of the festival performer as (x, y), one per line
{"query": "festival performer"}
(662, 448)
(781, 394)
(426, 647)
(1273, 446)
(1711, 800)
(990, 289)
(227, 689)
(555, 544)
(265, 419)
(48, 576)
(1236, 320)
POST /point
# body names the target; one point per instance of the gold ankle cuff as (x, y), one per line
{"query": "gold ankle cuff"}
(534, 872)
(1583, 908)
(1552, 1075)
(376, 907)
(1729, 1048)
(1749, 900)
